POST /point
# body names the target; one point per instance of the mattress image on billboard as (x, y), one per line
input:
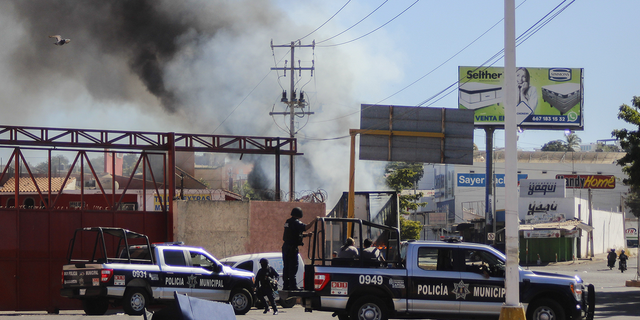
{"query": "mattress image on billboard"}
(476, 95)
(562, 96)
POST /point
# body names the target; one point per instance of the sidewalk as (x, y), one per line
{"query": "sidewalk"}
(598, 258)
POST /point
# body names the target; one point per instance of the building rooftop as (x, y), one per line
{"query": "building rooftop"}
(555, 157)
(27, 185)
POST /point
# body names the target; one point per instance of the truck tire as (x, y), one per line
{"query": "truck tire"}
(241, 301)
(287, 303)
(95, 307)
(369, 308)
(545, 309)
(135, 300)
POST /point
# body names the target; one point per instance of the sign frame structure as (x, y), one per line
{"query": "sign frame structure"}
(547, 99)
(411, 134)
(416, 134)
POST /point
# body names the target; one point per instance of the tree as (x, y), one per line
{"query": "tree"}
(601, 147)
(573, 142)
(409, 230)
(630, 143)
(43, 167)
(404, 176)
(632, 201)
(556, 145)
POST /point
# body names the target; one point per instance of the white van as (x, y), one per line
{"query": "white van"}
(251, 263)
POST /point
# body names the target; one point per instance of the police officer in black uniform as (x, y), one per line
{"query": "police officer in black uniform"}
(266, 285)
(293, 233)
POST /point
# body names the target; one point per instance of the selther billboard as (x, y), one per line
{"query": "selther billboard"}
(547, 98)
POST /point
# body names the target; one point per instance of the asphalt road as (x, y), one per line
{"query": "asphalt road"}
(613, 299)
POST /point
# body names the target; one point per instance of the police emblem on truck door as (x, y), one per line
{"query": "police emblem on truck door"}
(210, 282)
(435, 284)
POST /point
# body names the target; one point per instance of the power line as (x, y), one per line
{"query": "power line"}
(245, 98)
(522, 38)
(500, 54)
(310, 33)
(372, 31)
(367, 16)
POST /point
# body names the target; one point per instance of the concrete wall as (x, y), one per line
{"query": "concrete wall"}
(220, 227)
(228, 228)
(608, 232)
(267, 223)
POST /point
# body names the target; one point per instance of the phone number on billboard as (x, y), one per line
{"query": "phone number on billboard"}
(549, 119)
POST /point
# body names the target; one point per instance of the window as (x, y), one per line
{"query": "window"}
(484, 263)
(247, 265)
(200, 260)
(29, 203)
(174, 258)
(439, 259)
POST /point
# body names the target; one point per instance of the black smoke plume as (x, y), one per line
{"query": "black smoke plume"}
(147, 34)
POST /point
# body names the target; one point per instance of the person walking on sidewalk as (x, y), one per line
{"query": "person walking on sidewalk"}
(611, 259)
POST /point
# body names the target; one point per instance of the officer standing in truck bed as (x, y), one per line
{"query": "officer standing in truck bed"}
(293, 233)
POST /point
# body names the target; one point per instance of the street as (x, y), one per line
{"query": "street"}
(613, 299)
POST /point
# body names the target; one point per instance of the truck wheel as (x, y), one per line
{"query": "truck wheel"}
(287, 303)
(545, 309)
(95, 307)
(369, 308)
(241, 301)
(135, 301)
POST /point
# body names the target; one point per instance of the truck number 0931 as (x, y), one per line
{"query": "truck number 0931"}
(139, 274)
(367, 279)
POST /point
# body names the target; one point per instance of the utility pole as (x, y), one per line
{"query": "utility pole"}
(293, 103)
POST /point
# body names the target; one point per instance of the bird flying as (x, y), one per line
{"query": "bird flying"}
(59, 40)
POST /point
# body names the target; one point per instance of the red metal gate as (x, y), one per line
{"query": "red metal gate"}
(35, 228)
(33, 248)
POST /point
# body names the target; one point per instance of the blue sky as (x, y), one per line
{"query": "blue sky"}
(594, 35)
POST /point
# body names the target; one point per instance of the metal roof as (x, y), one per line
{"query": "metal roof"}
(564, 225)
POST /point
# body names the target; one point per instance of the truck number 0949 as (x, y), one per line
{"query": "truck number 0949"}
(367, 279)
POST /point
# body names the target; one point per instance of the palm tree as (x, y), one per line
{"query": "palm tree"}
(573, 142)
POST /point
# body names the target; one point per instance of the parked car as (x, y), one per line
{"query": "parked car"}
(251, 263)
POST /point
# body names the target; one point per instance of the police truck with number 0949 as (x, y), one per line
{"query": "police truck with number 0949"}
(426, 279)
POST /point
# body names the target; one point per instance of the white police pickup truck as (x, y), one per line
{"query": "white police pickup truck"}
(427, 279)
(121, 267)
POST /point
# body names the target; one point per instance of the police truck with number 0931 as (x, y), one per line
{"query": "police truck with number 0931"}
(426, 279)
(114, 266)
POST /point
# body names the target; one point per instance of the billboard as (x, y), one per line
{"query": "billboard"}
(588, 181)
(547, 98)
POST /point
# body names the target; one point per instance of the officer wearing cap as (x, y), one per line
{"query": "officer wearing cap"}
(293, 233)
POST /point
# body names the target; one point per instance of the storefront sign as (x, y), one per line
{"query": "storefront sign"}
(588, 181)
(542, 234)
(542, 188)
(478, 179)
